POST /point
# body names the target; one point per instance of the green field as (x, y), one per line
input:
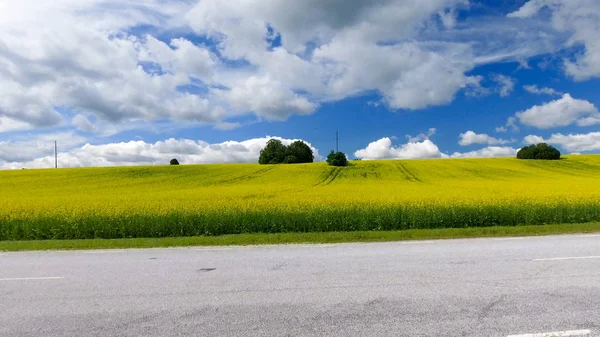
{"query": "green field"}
(209, 200)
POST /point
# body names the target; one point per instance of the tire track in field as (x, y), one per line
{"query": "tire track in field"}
(330, 177)
(247, 176)
(334, 175)
(407, 174)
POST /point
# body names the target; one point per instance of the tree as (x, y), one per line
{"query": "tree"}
(301, 152)
(337, 159)
(273, 153)
(291, 159)
(541, 151)
(174, 162)
(277, 153)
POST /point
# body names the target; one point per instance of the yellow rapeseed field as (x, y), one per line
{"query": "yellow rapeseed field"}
(241, 198)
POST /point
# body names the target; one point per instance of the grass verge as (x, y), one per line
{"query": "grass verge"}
(289, 238)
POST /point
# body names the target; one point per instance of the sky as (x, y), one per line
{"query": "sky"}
(211, 81)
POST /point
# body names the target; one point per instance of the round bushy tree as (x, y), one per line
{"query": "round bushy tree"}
(337, 159)
(290, 159)
(541, 151)
(174, 162)
(273, 153)
(301, 151)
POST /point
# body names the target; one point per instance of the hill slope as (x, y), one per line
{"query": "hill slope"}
(222, 199)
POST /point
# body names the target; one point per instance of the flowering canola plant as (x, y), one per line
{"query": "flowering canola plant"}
(187, 200)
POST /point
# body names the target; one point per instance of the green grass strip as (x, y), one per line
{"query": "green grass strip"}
(289, 238)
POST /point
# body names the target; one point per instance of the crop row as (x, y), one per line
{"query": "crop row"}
(64, 225)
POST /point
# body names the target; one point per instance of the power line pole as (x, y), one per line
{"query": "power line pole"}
(55, 155)
(337, 141)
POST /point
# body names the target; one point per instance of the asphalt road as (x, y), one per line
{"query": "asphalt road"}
(475, 287)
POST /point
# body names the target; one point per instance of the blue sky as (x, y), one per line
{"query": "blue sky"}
(210, 81)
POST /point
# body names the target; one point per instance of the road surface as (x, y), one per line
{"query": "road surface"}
(544, 286)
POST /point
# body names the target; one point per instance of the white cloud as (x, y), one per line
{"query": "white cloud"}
(470, 137)
(523, 63)
(383, 149)
(9, 124)
(142, 153)
(241, 24)
(82, 123)
(529, 9)
(579, 19)
(531, 139)
(80, 56)
(422, 136)
(448, 18)
(415, 149)
(407, 75)
(506, 84)
(80, 60)
(533, 89)
(475, 88)
(28, 147)
(488, 152)
(561, 112)
(511, 123)
(270, 97)
(571, 142)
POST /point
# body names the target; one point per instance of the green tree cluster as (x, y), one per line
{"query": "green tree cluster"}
(277, 153)
(337, 159)
(541, 151)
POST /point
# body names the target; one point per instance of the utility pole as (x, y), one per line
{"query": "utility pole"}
(337, 141)
(55, 155)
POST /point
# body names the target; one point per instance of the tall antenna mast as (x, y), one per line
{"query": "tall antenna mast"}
(337, 141)
(55, 155)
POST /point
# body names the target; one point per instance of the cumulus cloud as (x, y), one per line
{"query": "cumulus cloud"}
(571, 142)
(271, 98)
(529, 9)
(9, 124)
(407, 75)
(561, 112)
(475, 88)
(83, 123)
(506, 84)
(448, 18)
(533, 89)
(84, 57)
(579, 19)
(143, 153)
(488, 152)
(511, 123)
(532, 139)
(383, 149)
(80, 58)
(470, 137)
(28, 147)
(422, 136)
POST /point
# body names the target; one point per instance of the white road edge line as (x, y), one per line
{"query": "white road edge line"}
(213, 249)
(104, 251)
(32, 278)
(568, 258)
(417, 242)
(317, 245)
(556, 334)
(510, 239)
